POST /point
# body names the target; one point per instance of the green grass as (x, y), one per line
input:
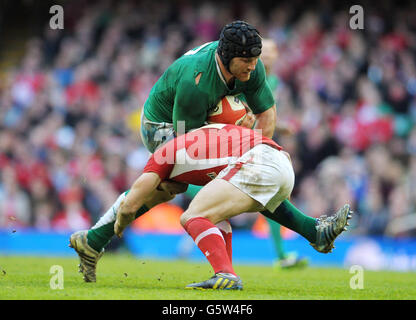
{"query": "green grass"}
(126, 277)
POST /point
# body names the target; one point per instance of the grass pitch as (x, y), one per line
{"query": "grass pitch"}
(125, 277)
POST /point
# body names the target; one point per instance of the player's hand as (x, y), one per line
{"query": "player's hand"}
(172, 187)
(120, 223)
(249, 120)
(118, 230)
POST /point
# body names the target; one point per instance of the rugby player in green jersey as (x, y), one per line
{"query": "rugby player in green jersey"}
(180, 101)
(194, 84)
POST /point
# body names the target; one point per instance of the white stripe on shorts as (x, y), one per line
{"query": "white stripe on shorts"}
(202, 235)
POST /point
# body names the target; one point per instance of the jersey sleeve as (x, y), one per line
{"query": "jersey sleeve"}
(189, 106)
(258, 94)
(160, 163)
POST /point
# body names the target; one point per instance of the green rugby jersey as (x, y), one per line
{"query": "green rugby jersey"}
(176, 96)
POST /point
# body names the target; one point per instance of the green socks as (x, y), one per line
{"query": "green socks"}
(100, 234)
(290, 217)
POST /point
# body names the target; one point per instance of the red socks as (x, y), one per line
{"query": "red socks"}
(211, 242)
(226, 232)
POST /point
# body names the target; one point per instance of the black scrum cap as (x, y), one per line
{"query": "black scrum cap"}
(238, 39)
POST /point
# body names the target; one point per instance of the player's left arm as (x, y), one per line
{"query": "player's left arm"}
(260, 99)
(266, 121)
(151, 197)
(142, 191)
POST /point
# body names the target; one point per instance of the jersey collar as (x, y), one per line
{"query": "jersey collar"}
(221, 75)
(219, 71)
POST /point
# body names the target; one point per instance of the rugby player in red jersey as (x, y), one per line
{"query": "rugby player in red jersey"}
(242, 171)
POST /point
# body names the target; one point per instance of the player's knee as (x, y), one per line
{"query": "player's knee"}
(185, 217)
(189, 214)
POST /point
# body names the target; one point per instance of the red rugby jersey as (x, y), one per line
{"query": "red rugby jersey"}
(198, 156)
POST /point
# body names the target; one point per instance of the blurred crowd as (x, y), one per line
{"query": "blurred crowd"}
(70, 110)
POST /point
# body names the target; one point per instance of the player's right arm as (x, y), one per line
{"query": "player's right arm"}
(260, 99)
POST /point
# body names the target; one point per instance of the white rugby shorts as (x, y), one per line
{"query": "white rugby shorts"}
(263, 173)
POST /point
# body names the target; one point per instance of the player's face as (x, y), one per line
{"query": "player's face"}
(242, 67)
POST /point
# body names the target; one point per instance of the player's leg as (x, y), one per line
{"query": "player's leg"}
(224, 226)
(227, 234)
(320, 232)
(89, 244)
(246, 185)
(286, 214)
(217, 201)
